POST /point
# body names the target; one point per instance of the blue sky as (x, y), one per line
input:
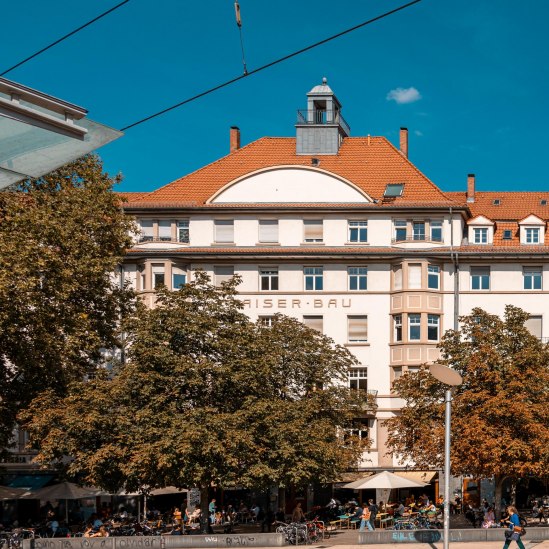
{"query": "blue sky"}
(478, 69)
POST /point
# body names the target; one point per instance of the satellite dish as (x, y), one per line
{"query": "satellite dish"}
(445, 375)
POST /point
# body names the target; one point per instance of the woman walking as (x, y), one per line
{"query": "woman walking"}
(515, 529)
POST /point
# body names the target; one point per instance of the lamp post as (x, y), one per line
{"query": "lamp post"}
(451, 378)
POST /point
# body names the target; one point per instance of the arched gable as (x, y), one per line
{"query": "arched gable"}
(290, 184)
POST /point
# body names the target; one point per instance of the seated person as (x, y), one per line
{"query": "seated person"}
(400, 510)
(194, 517)
(88, 531)
(489, 518)
(102, 533)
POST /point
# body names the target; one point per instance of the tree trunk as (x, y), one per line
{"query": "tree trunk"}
(499, 479)
(205, 525)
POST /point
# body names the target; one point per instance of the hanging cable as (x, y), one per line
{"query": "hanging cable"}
(64, 37)
(268, 65)
(239, 24)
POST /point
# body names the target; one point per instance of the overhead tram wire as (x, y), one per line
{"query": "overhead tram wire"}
(65, 37)
(268, 65)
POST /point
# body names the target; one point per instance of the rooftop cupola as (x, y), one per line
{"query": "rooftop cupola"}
(321, 128)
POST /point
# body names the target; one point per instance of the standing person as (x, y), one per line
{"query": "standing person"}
(373, 512)
(211, 510)
(365, 519)
(515, 529)
(297, 514)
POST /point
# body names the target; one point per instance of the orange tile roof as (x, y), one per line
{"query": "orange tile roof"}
(370, 163)
(513, 205)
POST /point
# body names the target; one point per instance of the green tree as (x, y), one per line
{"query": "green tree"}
(61, 238)
(207, 397)
(500, 425)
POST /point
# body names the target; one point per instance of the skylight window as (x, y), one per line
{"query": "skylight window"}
(392, 190)
(497, 202)
(507, 234)
(543, 202)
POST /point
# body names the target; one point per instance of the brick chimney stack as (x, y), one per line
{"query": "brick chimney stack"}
(235, 138)
(404, 142)
(471, 187)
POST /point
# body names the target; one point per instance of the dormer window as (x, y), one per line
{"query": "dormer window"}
(480, 235)
(531, 235)
(532, 230)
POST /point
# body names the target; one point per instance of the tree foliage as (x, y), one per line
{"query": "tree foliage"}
(61, 237)
(500, 424)
(207, 397)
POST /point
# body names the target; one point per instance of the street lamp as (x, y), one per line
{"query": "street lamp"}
(451, 378)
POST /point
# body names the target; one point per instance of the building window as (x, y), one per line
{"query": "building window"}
(397, 372)
(480, 235)
(533, 325)
(414, 276)
(358, 278)
(433, 325)
(400, 230)
(312, 230)
(360, 429)
(414, 327)
(397, 322)
(532, 278)
(314, 277)
(397, 277)
(358, 379)
(418, 228)
(223, 274)
(183, 231)
(507, 234)
(146, 230)
(266, 320)
(179, 280)
(531, 236)
(436, 231)
(158, 275)
(433, 277)
(314, 322)
(480, 278)
(358, 231)
(164, 230)
(357, 329)
(224, 230)
(268, 278)
(268, 230)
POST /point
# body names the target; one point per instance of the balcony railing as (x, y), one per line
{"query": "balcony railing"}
(416, 238)
(143, 239)
(322, 117)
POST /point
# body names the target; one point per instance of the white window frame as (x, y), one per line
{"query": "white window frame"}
(480, 235)
(416, 317)
(316, 276)
(146, 230)
(355, 331)
(357, 232)
(433, 322)
(313, 230)
(418, 236)
(400, 225)
(224, 231)
(397, 328)
(266, 320)
(270, 275)
(164, 230)
(357, 276)
(158, 271)
(433, 273)
(354, 378)
(178, 286)
(268, 231)
(315, 322)
(435, 225)
(532, 235)
(183, 231)
(534, 275)
(479, 273)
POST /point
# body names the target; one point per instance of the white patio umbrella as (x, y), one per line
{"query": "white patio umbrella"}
(8, 492)
(385, 480)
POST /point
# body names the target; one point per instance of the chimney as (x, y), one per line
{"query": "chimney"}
(235, 138)
(404, 142)
(471, 187)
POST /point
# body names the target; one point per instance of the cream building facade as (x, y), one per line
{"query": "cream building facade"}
(347, 235)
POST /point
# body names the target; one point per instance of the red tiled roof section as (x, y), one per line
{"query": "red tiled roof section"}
(370, 163)
(513, 205)
(131, 197)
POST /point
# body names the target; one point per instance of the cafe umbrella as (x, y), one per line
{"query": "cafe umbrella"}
(383, 480)
(64, 491)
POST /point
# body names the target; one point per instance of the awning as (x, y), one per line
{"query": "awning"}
(419, 476)
(30, 482)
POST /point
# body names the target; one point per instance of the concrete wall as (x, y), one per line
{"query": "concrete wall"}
(158, 542)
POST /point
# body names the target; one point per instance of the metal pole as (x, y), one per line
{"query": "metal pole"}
(447, 435)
